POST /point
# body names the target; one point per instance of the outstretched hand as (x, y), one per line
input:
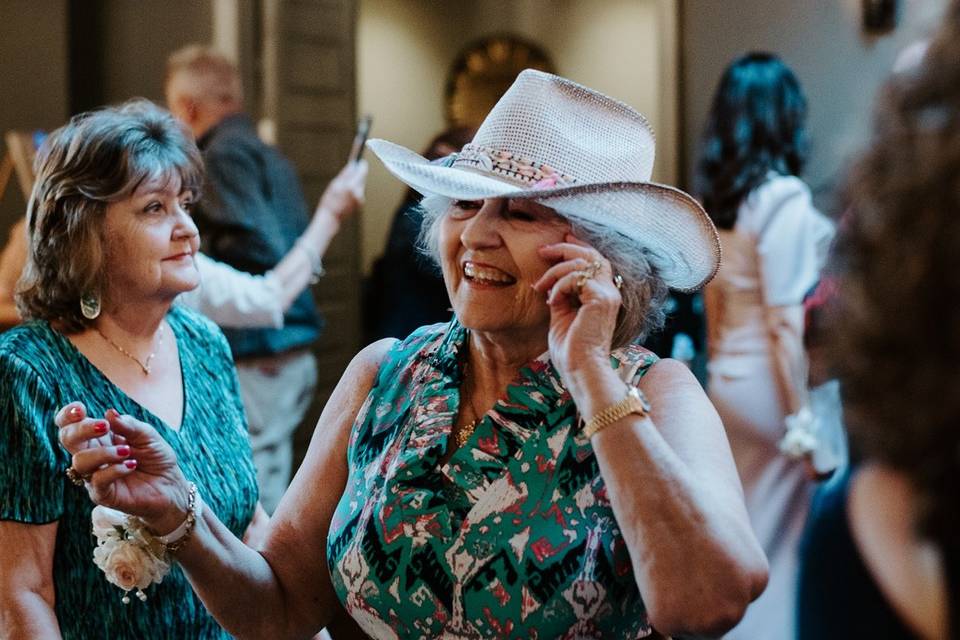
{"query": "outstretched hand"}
(584, 303)
(126, 465)
(345, 193)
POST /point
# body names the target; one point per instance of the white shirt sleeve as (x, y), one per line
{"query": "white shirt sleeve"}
(233, 298)
(793, 240)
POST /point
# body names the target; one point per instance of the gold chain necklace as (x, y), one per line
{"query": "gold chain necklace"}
(467, 430)
(143, 365)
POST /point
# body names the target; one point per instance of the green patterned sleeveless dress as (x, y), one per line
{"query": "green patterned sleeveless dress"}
(513, 538)
(40, 371)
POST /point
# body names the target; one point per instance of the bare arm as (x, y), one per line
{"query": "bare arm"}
(677, 498)
(670, 476)
(287, 584)
(340, 199)
(909, 571)
(26, 581)
(281, 591)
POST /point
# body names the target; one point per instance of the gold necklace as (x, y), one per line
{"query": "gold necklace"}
(467, 430)
(143, 365)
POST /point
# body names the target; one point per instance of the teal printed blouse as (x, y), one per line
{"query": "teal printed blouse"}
(40, 371)
(513, 538)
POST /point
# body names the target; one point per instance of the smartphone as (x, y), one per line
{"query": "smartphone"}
(360, 139)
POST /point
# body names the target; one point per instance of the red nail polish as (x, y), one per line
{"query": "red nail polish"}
(100, 427)
(75, 412)
(130, 464)
(123, 450)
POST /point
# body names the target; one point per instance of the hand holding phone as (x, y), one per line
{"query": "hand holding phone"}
(360, 139)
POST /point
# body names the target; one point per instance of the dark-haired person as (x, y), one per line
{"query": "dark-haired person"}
(112, 245)
(774, 245)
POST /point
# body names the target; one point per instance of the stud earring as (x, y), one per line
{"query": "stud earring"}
(90, 305)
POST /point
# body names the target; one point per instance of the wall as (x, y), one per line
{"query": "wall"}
(33, 80)
(405, 48)
(134, 40)
(840, 68)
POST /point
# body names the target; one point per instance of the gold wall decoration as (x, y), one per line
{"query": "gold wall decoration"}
(483, 71)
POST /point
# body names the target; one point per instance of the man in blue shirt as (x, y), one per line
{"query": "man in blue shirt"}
(251, 213)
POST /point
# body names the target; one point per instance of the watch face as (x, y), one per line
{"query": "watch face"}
(640, 398)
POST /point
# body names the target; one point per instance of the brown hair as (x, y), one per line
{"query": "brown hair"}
(898, 260)
(97, 158)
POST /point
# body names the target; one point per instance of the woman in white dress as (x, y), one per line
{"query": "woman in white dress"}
(774, 244)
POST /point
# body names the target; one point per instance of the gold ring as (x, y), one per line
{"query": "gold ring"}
(75, 477)
(618, 281)
(585, 274)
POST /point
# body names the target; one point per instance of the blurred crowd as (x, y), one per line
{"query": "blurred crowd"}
(522, 449)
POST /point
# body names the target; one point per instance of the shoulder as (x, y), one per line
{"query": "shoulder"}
(779, 187)
(232, 143)
(776, 194)
(27, 347)
(422, 342)
(368, 360)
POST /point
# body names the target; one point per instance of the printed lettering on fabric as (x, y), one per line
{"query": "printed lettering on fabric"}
(513, 536)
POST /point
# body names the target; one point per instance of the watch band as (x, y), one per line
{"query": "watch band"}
(633, 402)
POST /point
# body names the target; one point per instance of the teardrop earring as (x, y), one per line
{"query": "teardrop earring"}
(90, 305)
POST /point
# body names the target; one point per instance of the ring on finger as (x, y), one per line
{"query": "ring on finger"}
(75, 477)
(618, 281)
(585, 274)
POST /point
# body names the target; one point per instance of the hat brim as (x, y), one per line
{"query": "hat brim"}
(673, 227)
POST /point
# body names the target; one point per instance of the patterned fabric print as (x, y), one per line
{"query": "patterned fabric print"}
(513, 537)
(40, 371)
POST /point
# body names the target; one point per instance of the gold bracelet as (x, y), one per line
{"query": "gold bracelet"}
(175, 540)
(634, 402)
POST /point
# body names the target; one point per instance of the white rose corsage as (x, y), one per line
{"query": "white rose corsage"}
(801, 438)
(127, 553)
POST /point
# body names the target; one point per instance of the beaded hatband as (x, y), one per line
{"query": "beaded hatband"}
(512, 166)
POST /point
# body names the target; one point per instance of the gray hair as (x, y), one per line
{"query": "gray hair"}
(644, 292)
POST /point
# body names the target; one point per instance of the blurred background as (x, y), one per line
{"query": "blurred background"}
(311, 67)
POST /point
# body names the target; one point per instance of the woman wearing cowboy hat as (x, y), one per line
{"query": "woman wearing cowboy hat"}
(524, 469)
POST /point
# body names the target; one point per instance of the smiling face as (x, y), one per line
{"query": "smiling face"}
(490, 260)
(149, 243)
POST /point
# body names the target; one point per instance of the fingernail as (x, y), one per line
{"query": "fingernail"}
(130, 464)
(111, 414)
(123, 450)
(100, 427)
(74, 412)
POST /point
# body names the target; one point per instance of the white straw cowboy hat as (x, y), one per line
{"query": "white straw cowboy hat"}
(583, 154)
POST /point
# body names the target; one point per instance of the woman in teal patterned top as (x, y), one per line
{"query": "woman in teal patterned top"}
(109, 223)
(502, 476)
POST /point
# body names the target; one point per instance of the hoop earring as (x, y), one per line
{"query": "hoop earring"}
(90, 305)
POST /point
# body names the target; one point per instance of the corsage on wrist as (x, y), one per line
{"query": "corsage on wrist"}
(130, 555)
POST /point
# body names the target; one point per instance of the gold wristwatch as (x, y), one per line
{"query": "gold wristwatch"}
(634, 402)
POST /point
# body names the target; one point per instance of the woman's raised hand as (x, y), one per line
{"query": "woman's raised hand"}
(584, 303)
(126, 465)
